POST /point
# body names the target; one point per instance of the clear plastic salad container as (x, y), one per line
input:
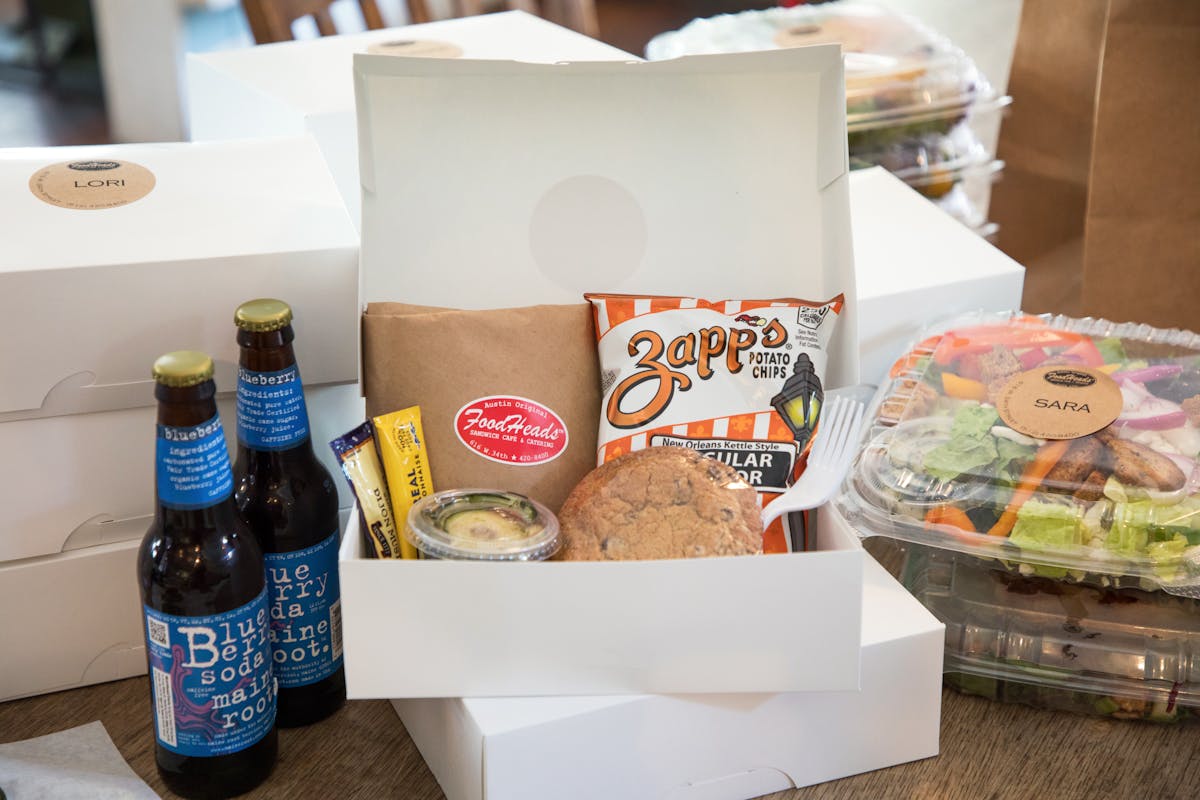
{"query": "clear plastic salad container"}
(937, 182)
(954, 151)
(958, 203)
(1120, 653)
(942, 466)
(902, 79)
(868, 138)
(988, 230)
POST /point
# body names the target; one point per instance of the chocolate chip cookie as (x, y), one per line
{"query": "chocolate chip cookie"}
(661, 502)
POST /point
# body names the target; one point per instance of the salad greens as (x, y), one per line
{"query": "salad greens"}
(1119, 507)
(973, 447)
(1047, 526)
(1112, 349)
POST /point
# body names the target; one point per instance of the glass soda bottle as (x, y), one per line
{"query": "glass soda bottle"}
(204, 597)
(290, 502)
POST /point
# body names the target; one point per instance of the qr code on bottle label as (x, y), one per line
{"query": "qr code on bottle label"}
(159, 634)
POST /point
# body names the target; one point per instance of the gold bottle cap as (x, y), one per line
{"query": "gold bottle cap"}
(183, 368)
(264, 314)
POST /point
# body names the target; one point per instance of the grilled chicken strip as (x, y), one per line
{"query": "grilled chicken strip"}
(1084, 456)
(1092, 488)
(1137, 465)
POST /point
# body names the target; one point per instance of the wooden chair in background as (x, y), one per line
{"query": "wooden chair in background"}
(579, 15)
(271, 20)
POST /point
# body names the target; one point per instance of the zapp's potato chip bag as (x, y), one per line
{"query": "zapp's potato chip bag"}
(737, 380)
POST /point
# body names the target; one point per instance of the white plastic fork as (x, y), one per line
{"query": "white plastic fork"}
(828, 461)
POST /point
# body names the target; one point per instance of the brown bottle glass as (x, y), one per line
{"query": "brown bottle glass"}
(290, 502)
(202, 584)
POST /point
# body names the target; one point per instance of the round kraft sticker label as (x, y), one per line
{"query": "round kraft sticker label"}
(801, 34)
(1059, 402)
(416, 48)
(91, 184)
(853, 38)
(511, 430)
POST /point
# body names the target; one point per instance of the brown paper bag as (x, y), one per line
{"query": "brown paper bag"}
(483, 380)
(1102, 148)
(1141, 253)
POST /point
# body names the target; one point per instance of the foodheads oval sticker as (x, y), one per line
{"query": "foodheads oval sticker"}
(511, 430)
(91, 184)
(1059, 402)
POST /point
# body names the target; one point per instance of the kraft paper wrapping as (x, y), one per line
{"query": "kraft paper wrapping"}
(1102, 152)
(444, 359)
(1046, 144)
(1141, 255)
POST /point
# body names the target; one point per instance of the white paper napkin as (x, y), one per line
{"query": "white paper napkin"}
(76, 764)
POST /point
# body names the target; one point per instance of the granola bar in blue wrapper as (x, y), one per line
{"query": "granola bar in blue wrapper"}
(356, 453)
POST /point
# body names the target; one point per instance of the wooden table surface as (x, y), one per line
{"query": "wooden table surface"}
(990, 751)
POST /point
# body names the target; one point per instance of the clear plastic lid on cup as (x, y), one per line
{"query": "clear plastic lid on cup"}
(482, 525)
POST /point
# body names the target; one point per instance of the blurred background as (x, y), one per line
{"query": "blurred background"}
(1006, 124)
(59, 58)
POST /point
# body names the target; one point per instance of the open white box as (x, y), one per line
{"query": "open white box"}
(468, 629)
(712, 176)
(307, 86)
(695, 176)
(699, 747)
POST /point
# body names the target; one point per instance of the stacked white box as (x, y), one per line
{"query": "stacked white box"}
(91, 296)
(699, 747)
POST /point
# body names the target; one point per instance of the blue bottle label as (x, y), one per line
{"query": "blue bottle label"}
(192, 465)
(271, 414)
(306, 613)
(210, 678)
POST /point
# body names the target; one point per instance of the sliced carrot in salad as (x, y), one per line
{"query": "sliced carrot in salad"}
(1035, 472)
(951, 516)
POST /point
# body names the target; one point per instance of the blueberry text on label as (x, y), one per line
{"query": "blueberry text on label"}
(306, 615)
(192, 465)
(270, 409)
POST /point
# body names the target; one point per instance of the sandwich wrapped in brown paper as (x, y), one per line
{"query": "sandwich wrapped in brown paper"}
(538, 362)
